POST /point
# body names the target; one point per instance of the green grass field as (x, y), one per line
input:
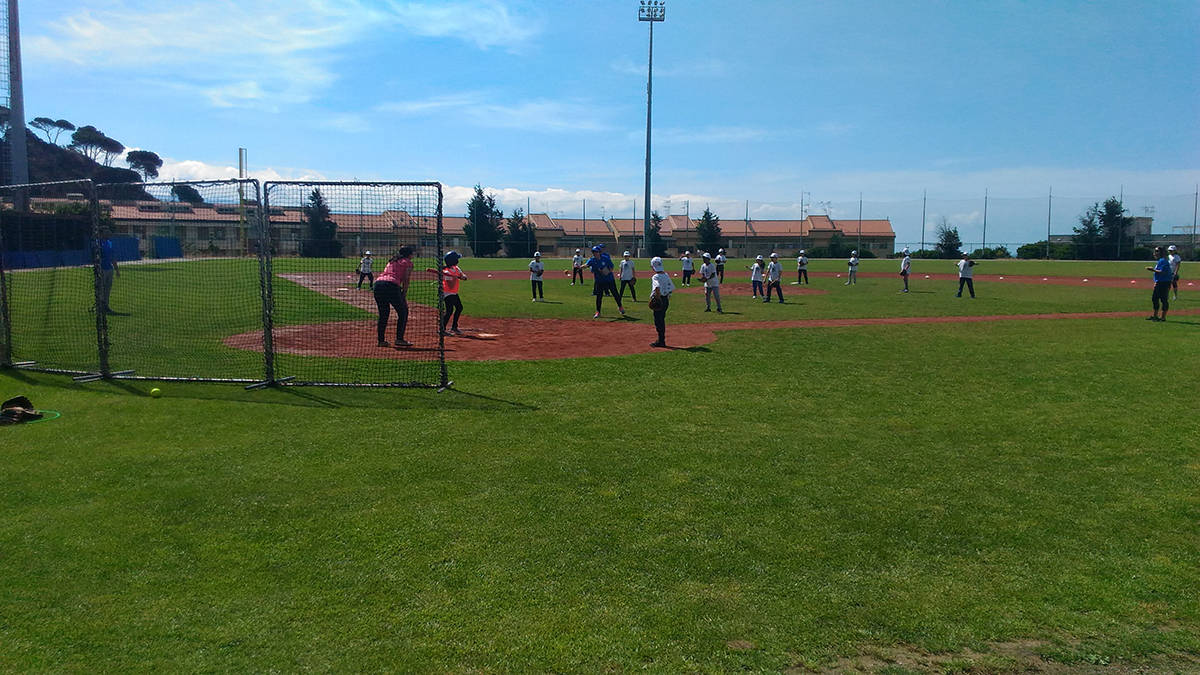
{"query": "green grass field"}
(984, 497)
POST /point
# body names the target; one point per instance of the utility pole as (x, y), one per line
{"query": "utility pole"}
(924, 196)
(860, 222)
(652, 12)
(1049, 207)
(985, 200)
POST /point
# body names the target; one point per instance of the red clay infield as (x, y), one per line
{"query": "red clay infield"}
(496, 339)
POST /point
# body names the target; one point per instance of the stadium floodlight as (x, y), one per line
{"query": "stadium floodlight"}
(652, 12)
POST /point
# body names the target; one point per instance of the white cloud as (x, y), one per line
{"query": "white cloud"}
(483, 110)
(190, 169)
(255, 53)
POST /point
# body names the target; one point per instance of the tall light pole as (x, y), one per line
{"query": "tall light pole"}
(652, 12)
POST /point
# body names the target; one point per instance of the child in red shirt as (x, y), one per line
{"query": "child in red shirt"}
(451, 275)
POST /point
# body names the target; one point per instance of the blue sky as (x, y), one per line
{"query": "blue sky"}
(758, 101)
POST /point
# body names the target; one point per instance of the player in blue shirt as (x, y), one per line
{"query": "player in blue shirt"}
(1162, 283)
(603, 280)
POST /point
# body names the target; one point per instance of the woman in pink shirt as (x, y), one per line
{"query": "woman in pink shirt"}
(391, 290)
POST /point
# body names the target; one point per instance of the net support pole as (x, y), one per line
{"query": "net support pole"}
(441, 303)
(101, 307)
(5, 322)
(266, 284)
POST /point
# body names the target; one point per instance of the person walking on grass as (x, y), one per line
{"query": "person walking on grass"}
(603, 280)
(774, 279)
(628, 277)
(756, 278)
(905, 268)
(1175, 261)
(712, 284)
(364, 270)
(536, 269)
(108, 270)
(852, 269)
(802, 268)
(720, 261)
(450, 275)
(1162, 284)
(661, 288)
(966, 275)
(391, 292)
(685, 262)
(577, 267)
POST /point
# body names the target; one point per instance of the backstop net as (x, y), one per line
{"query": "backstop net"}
(49, 276)
(330, 323)
(222, 281)
(188, 303)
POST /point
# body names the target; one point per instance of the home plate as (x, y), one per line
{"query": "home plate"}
(341, 289)
(488, 335)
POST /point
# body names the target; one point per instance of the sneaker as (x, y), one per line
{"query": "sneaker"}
(958, 295)
(456, 331)
(572, 283)
(402, 343)
(384, 343)
(708, 309)
(596, 315)
(621, 310)
(719, 311)
(658, 344)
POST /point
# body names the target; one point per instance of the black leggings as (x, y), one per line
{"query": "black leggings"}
(660, 319)
(756, 289)
(368, 276)
(387, 296)
(721, 273)
(452, 305)
(802, 275)
(537, 289)
(970, 285)
(778, 289)
(687, 276)
(577, 272)
(1160, 295)
(632, 288)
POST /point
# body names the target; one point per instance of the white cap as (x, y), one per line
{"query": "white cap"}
(1172, 248)
(801, 251)
(966, 255)
(687, 252)
(720, 250)
(625, 253)
(367, 253)
(706, 255)
(578, 250)
(758, 257)
(774, 255)
(656, 264)
(537, 254)
(905, 251)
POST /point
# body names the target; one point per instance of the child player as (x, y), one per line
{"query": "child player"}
(661, 286)
(852, 268)
(1174, 260)
(802, 267)
(364, 270)
(577, 267)
(712, 285)
(905, 268)
(536, 268)
(720, 260)
(756, 278)
(774, 279)
(685, 262)
(628, 278)
(450, 275)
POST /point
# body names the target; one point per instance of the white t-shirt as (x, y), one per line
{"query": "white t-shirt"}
(365, 264)
(720, 259)
(852, 263)
(626, 270)
(535, 270)
(710, 270)
(774, 271)
(687, 264)
(802, 262)
(1174, 260)
(661, 281)
(756, 272)
(577, 261)
(905, 264)
(965, 269)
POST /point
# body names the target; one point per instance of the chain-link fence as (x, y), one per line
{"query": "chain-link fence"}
(220, 281)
